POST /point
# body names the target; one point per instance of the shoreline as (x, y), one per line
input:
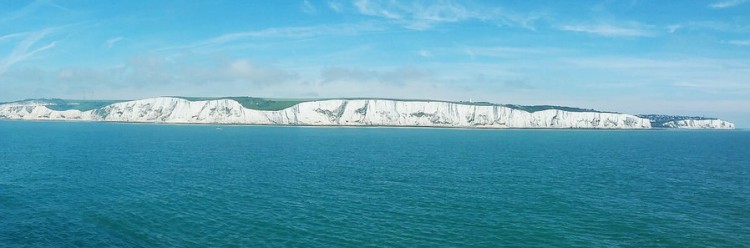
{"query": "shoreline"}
(372, 126)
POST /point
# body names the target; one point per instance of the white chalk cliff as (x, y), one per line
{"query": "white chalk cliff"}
(360, 112)
(700, 124)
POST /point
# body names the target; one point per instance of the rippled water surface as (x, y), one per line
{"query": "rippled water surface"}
(100, 184)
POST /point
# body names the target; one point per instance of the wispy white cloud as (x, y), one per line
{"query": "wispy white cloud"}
(711, 86)
(300, 32)
(29, 9)
(25, 48)
(111, 42)
(11, 36)
(508, 52)
(335, 6)
(153, 75)
(611, 30)
(308, 8)
(710, 75)
(740, 42)
(22, 12)
(726, 4)
(451, 82)
(631, 63)
(401, 75)
(673, 28)
(247, 71)
(425, 15)
(373, 8)
(527, 21)
(424, 53)
(717, 25)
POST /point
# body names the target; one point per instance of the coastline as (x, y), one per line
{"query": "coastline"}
(368, 126)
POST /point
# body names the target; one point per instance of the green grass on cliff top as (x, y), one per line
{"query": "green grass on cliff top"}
(273, 104)
(283, 103)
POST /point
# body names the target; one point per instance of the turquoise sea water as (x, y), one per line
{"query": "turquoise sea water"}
(145, 185)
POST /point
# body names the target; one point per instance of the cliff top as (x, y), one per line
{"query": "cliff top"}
(272, 104)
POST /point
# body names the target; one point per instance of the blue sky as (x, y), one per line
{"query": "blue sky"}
(679, 57)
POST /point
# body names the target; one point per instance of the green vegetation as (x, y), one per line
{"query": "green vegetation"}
(535, 108)
(82, 105)
(63, 104)
(275, 104)
(532, 108)
(254, 102)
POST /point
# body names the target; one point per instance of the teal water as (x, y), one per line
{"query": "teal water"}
(143, 185)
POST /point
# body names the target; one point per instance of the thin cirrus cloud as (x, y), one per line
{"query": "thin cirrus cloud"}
(713, 87)
(398, 76)
(22, 12)
(740, 42)
(308, 8)
(726, 4)
(387, 10)
(30, 9)
(335, 6)
(415, 16)
(712, 26)
(10, 36)
(296, 32)
(424, 53)
(510, 52)
(720, 76)
(679, 65)
(111, 42)
(26, 48)
(152, 72)
(426, 15)
(610, 30)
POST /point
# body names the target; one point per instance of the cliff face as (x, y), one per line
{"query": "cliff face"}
(686, 122)
(363, 112)
(700, 124)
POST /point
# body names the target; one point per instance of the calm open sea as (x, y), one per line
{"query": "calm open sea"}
(106, 184)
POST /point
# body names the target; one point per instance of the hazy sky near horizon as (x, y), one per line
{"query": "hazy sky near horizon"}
(677, 57)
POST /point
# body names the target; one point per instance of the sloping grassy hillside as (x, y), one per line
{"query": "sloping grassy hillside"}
(82, 105)
(255, 102)
(65, 104)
